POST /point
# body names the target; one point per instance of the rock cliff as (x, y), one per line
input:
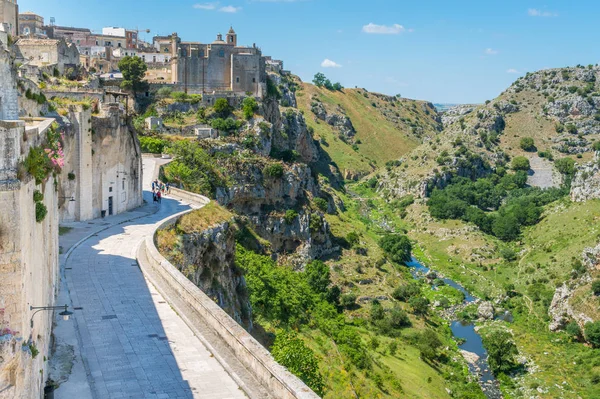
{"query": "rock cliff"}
(586, 183)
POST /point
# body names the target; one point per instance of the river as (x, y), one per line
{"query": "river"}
(466, 332)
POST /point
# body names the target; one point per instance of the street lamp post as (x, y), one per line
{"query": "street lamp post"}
(65, 313)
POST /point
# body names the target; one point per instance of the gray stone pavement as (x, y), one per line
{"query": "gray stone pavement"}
(131, 342)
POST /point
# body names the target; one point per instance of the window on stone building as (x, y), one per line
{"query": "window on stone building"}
(123, 184)
(118, 44)
(110, 189)
(222, 53)
(201, 53)
(166, 49)
(253, 80)
(237, 79)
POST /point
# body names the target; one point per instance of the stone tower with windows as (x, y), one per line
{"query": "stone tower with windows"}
(231, 37)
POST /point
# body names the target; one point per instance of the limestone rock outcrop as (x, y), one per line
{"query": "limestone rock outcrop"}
(208, 261)
(586, 183)
(339, 120)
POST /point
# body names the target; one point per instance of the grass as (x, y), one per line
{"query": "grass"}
(201, 219)
(381, 139)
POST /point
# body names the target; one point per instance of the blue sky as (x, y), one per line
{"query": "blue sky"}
(458, 51)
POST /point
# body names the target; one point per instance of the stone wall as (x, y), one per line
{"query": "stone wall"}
(104, 156)
(28, 269)
(201, 310)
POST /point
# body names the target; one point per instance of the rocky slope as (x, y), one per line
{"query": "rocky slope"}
(558, 108)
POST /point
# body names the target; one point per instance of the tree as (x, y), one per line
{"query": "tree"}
(291, 352)
(566, 166)
(348, 300)
(398, 247)
(520, 163)
(133, 70)
(319, 79)
(377, 312)
(405, 292)
(317, 275)
(592, 333)
(501, 350)
(527, 144)
(419, 304)
(428, 344)
(398, 317)
(222, 107)
(573, 330)
(249, 107)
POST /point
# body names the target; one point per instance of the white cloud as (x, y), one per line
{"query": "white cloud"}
(534, 12)
(383, 29)
(230, 9)
(490, 51)
(327, 63)
(206, 6)
(512, 70)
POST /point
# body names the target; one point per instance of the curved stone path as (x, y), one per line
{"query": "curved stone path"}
(133, 344)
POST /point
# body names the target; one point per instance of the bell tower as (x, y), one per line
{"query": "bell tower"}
(231, 37)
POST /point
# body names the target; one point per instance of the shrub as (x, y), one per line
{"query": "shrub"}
(38, 196)
(508, 254)
(348, 300)
(429, 343)
(399, 318)
(222, 107)
(321, 203)
(596, 287)
(71, 176)
(40, 211)
(566, 166)
(398, 247)
(152, 145)
(596, 146)
(501, 350)
(274, 170)
(352, 238)
(290, 216)
(291, 352)
(520, 163)
(419, 304)
(559, 127)
(527, 144)
(571, 128)
(592, 333)
(405, 292)
(573, 330)
(249, 107)
(164, 92)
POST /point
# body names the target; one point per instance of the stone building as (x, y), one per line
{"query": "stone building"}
(103, 169)
(153, 123)
(9, 11)
(47, 52)
(220, 66)
(31, 25)
(77, 36)
(28, 249)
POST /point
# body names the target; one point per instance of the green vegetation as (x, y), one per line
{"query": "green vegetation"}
(397, 247)
(273, 170)
(153, 145)
(40, 211)
(194, 169)
(222, 107)
(498, 205)
(249, 107)
(290, 351)
(501, 350)
(527, 144)
(290, 216)
(133, 70)
(320, 80)
(520, 163)
(592, 333)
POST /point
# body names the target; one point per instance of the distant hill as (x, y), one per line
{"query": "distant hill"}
(361, 130)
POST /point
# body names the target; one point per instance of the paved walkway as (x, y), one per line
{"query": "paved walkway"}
(133, 343)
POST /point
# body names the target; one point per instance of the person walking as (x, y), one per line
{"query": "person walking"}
(168, 187)
(158, 195)
(153, 187)
(154, 199)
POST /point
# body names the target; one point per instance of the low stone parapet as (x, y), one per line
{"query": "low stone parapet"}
(200, 310)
